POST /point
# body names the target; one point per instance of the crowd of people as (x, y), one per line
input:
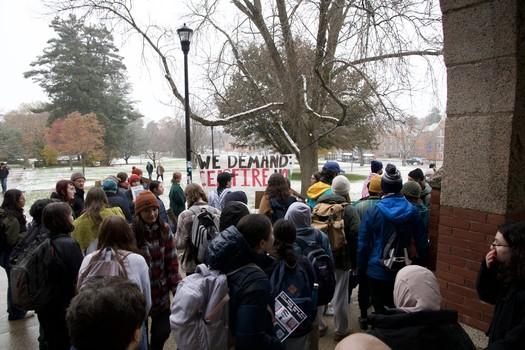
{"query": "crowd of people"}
(126, 216)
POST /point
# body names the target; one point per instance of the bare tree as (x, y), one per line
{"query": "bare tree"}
(371, 38)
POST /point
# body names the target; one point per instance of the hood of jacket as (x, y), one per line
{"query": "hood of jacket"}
(416, 289)
(331, 198)
(317, 189)
(229, 251)
(426, 190)
(299, 214)
(395, 207)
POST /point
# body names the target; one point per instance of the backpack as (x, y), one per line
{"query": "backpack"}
(33, 277)
(199, 314)
(110, 263)
(279, 208)
(323, 266)
(394, 255)
(294, 282)
(329, 218)
(32, 234)
(205, 228)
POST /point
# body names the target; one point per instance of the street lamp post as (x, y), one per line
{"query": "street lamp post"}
(185, 35)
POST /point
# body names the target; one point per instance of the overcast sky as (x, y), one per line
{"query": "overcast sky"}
(25, 32)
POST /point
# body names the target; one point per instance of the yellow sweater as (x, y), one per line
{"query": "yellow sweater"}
(85, 232)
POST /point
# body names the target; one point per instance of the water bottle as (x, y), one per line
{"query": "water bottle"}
(315, 296)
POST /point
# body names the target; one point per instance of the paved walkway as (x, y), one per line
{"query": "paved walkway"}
(23, 334)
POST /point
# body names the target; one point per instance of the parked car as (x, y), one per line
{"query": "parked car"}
(414, 160)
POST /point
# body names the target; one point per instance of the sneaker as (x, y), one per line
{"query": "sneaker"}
(339, 337)
(363, 323)
(329, 311)
(27, 315)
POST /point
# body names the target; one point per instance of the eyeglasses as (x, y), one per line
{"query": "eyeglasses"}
(496, 244)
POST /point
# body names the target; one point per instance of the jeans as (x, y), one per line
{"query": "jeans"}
(4, 184)
(13, 312)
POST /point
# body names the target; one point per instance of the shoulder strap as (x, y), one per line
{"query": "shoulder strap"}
(301, 243)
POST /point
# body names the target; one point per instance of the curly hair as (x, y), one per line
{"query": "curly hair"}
(38, 207)
(514, 234)
(96, 200)
(277, 187)
(194, 193)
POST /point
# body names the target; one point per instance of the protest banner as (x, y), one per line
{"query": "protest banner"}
(251, 171)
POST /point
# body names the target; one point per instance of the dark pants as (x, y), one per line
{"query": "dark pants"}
(382, 294)
(161, 176)
(53, 324)
(363, 294)
(160, 330)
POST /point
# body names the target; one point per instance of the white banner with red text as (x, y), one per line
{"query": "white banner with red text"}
(251, 171)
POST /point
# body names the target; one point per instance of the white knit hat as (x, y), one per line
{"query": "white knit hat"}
(340, 185)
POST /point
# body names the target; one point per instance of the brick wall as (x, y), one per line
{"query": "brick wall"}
(459, 240)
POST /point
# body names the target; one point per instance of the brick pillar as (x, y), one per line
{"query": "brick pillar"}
(484, 51)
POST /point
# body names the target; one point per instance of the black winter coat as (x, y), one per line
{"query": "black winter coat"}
(250, 293)
(429, 330)
(507, 329)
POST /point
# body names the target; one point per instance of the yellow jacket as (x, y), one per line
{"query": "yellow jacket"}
(85, 232)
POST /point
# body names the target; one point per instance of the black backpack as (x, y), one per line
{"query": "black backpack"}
(395, 254)
(323, 266)
(279, 208)
(34, 284)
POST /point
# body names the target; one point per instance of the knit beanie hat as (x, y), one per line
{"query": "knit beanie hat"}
(411, 189)
(340, 185)
(144, 200)
(391, 181)
(417, 174)
(77, 175)
(134, 177)
(375, 185)
(109, 185)
(375, 166)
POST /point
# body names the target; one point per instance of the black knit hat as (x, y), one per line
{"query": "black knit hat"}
(417, 174)
(391, 181)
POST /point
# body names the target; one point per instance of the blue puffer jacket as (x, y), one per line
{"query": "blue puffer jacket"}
(250, 293)
(376, 228)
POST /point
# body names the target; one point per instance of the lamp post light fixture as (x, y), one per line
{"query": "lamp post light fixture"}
(185, 35)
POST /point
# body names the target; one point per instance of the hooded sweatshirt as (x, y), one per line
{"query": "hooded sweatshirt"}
(391, 212)
(300, 215)
(315, 191)
(418, 321)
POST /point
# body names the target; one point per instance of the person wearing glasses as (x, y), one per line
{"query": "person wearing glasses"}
(501, 282)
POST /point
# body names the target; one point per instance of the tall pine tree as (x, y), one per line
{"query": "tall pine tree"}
(81, 71)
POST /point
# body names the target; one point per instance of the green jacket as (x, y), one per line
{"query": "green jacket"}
(177, 199)
(12, 229)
